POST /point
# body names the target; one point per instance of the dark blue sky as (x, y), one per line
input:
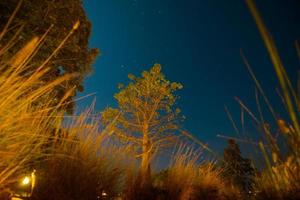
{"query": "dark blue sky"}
(198, 43)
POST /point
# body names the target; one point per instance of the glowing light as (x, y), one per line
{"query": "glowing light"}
(104, 194)
(26, 180)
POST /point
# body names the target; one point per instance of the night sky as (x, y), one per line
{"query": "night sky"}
(198, 44)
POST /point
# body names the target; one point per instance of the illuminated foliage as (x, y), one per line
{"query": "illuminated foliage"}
(145, 115)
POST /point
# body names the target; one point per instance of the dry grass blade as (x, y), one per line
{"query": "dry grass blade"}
(277, 63)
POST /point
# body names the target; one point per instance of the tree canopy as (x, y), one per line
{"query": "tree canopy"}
(57, 18)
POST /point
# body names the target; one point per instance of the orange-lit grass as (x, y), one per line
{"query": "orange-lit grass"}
(26, 113)
(34, 134)
(83, 162)
(73, 158)
(188, 179)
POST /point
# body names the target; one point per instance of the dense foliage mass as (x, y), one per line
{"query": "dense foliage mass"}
(55, 18)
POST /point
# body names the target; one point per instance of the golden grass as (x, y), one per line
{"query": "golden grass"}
(186, 178)
(27, 115)
(72, 156)
(24, 123)
(83, 162)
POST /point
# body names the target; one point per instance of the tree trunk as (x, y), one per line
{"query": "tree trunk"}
(146, 156)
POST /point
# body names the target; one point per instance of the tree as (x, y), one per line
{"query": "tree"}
(238, 170)
(56, 17)
(145, 115)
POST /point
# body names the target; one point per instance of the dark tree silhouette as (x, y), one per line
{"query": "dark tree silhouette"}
(35, 18)
(238, 170)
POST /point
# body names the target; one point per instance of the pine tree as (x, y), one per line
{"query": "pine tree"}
(238, 170)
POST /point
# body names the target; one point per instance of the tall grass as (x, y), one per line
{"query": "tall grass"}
(28, 115)
(84, 163)
(24, 122)
(187, 178)
(73, 158)
(281, 179)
